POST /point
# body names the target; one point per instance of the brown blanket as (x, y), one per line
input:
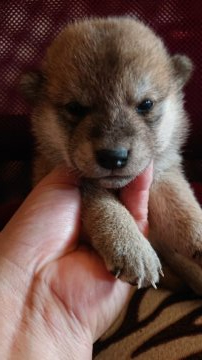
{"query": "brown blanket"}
(159, 325)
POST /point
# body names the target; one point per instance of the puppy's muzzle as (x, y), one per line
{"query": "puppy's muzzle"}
(112, 159)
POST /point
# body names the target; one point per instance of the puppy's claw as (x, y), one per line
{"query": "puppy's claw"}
(116, 273)
(139, 284)
(161, 272)
(154, 285)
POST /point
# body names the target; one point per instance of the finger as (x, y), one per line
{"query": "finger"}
(135, 197)
(46, 225)
(60, 175)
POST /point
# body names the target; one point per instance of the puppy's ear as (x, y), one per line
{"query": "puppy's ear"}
(183, 67)
(31, 84)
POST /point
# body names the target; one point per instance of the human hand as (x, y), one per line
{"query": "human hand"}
(57, 298)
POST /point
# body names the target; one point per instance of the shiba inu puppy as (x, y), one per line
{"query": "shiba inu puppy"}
(107, 101)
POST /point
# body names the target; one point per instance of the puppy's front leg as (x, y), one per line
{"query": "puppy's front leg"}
(115, 235)
(175, 220)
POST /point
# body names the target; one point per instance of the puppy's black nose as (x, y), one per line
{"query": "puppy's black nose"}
(112, 159)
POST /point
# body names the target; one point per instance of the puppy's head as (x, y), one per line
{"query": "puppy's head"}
(107, 98)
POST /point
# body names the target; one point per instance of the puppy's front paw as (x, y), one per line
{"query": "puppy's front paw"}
(137, 263)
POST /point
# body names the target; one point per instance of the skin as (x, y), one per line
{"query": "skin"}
(57, 298)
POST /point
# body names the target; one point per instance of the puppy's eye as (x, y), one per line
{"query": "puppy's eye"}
(77, 110)
(145, 106)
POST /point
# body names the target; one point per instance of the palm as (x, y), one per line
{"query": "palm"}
(89, 293)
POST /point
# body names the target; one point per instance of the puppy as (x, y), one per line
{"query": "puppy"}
(107, 101)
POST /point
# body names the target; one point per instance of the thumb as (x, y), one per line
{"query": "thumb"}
(46, 225)
(135, 197)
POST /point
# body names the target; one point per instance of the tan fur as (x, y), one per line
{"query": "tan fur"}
(110, 66)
